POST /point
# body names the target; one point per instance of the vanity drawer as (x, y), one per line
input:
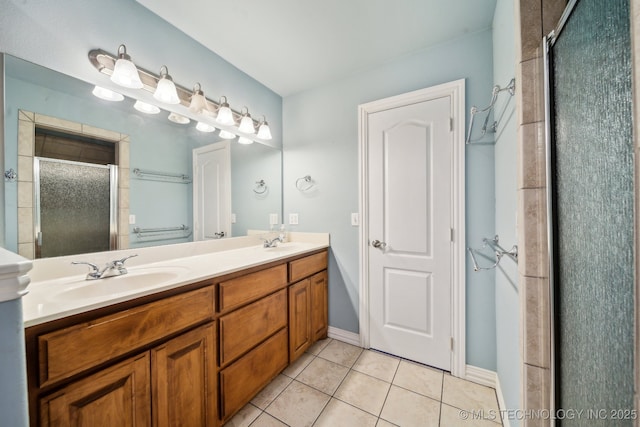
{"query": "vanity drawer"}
(71, 350)
(248, 326)
(304, 267)
(236, 292)
(244, 378)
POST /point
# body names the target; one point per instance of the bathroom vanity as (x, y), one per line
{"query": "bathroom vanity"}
(191, 351)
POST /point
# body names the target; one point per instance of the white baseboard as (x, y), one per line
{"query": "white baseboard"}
(490, 379)
(344, 336)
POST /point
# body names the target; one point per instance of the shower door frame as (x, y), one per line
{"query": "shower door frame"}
(113, 200)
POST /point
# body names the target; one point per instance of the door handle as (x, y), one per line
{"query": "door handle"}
(378, 244)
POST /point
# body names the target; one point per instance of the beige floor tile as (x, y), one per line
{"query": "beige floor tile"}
(468, 395)
(363, 391)
(318, 346)
(340, 352)
(298, 366)
(340, 414)
(419, 379)
(323, 375)
(271, 391)
(377, 365)
(384, 423)
(298, 405)
(407, 409)
(454, 417)
(244, 417)
(266, 420)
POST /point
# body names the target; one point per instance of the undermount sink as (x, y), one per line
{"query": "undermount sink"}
(135, 279)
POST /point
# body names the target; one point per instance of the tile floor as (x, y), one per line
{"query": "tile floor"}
(338, 384)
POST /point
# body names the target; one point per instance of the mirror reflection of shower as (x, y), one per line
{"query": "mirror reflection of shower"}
(75, 194)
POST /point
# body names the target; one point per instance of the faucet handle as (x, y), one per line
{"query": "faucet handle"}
(95, 271)
(120, 262)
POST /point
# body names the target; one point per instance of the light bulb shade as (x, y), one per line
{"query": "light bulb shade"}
(225, 134)
(107, 94)
(225, 116)
(125, 72)
(246, 124)
(244, 140)
(205, 127)
(263, 131)
(143, 107)
(177, 118)
(166, 90)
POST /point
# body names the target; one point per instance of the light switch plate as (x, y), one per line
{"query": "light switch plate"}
(355, 219)
(233, 218)
(273, 219)
(293, 219)
(132, 219)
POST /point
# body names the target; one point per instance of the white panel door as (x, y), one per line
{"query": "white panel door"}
(409, 164)
(212, 191)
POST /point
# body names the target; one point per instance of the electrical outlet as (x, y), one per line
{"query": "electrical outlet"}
(293, 219)
(355, 219)
(233, 218)
(132, 219)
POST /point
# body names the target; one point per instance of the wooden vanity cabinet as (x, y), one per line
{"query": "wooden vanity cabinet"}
(77, 375)
(308, 308)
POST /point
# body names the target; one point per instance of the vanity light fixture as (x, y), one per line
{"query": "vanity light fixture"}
(125, 72)
(143, 107)
(166, 90)
(107, 94)
(225, 116)
(246, 123)
(244, 140)
(198, 103)
(263, 130)
(177, 118)
(225, 134)
(205, 127)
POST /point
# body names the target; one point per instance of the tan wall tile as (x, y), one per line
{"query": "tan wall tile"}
(54, 122)
(100, 133)
(25, 138)
(531, 156)
(535, 321)
(530, 29)
(25, 194)
(26, 250)
(532, 232)
(530, 91)
(25, 168)
(25, 225)
(551, 12)
(536, 384)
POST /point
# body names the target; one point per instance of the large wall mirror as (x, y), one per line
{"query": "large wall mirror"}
(42, 106)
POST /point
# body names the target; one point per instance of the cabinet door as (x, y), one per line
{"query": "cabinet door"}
(184, 380)
(319, 306)
(116, 396)
(299, 318)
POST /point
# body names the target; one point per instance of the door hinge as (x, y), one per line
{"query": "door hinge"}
(451, 124)
(451, 342)
(451, 236)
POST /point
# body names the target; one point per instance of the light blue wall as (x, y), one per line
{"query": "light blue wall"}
(506, 295)
(321, 140)
(13, 370)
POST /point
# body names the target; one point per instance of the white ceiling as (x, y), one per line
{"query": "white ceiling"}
(293, 45)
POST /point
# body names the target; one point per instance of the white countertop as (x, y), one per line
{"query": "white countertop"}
(56, 295)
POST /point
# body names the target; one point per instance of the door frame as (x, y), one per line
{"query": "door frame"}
(456, 91)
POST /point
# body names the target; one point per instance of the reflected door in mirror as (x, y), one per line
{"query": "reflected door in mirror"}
(212, 191)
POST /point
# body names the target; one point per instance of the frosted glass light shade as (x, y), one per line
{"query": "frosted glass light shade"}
(225, 116)
(198, 103)
(244, 140)
(107, 94)
(263, 131)
(166, 91)
(205, 127)
(246, 125)
(226, 134)
(125, 72)
(143, 107)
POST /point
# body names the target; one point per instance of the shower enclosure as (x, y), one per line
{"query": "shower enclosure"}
(75, 207)
(591, 177)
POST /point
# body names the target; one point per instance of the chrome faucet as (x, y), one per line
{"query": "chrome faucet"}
(112, 268)
(272, 243)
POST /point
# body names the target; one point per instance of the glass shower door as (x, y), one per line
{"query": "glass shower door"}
(75, 207)
(592, 186)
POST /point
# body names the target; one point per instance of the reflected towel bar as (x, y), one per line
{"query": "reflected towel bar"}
(162, 176)
(498, 250)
